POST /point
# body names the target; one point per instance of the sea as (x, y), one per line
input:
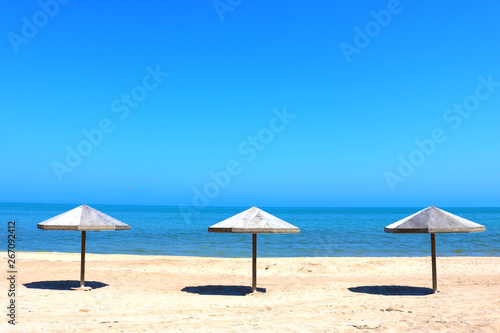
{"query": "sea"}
(177, 231)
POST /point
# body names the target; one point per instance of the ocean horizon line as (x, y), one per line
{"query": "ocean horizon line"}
(236, 206)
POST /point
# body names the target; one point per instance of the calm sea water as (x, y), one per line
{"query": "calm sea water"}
(325, 232)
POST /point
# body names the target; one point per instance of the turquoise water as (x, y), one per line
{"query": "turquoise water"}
(325, 232)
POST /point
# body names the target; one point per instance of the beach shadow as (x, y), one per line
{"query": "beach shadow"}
(392, 290)
(63, 284)
(222, 290)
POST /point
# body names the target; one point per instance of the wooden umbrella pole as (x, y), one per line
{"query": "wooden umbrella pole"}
(254, 263)
(82, 268)
(82, 265)
(434, 273)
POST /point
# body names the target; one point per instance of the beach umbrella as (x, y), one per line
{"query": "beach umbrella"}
(433, 221)
(254, 221)
(83, 218)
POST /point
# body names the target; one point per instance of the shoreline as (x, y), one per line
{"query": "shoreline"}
(88, 255)
(34, 253)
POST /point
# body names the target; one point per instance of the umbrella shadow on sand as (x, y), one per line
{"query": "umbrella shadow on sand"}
(63, 284)
(392, 290)
(222, 290)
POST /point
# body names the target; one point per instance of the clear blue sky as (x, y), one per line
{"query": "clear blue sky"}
(354, 85)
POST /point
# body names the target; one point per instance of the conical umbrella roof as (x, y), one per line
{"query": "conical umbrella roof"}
(83, 218)
(254, 221)
(433, 220)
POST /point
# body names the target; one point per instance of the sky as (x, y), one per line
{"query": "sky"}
(250, 103)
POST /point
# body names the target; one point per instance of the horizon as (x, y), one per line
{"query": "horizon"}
(244, 207)
(235, 104)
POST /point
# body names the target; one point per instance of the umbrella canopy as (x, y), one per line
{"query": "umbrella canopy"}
(433, 220)
(83, 218)
(254, 221)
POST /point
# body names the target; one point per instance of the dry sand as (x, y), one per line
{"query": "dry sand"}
(188, 294)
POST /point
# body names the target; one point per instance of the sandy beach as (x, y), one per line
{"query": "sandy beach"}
(134, 293)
